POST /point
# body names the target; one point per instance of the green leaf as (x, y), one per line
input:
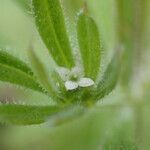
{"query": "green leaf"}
(7, 59)
(26, 115)
(15, 71)
(15, 76)
(51, 26)
(42, 75)
(110, 78)
(89, 42)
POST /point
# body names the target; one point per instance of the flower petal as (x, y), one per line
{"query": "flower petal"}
(85, 82)
(71, 85)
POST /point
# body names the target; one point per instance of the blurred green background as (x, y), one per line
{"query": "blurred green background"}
(112, 124)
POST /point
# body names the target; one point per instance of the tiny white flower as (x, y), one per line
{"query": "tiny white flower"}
(76, 72)
(71, 85)
(85, 82)
(64, 73)
(67, 74)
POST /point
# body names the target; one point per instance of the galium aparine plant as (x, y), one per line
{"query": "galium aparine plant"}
(69, 85)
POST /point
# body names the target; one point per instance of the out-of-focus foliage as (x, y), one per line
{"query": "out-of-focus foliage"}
(24, 4)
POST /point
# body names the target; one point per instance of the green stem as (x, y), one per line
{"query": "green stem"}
(139, 126)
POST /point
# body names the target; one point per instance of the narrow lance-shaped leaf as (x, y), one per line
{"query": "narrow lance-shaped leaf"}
(15, 76)
(110, 78)
(89, 42)
(51, 26)
(7, 59)
(15, 71)
(45, 79)
(26, 115)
